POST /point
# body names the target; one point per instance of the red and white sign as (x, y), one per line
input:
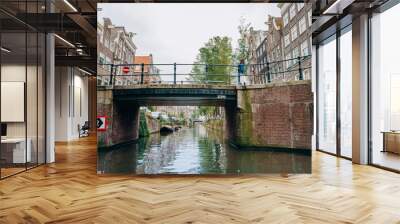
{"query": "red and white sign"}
(101, 123)
(125, 69)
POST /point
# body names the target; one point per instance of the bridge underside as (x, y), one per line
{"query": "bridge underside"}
(176, 96)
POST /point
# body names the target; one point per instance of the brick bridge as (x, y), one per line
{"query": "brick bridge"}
(275, 115)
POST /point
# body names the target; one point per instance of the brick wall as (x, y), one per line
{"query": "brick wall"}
(122, 120)
(275, 115)
(104, 108)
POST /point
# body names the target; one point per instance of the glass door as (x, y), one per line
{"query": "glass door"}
(22, 77)
(14, 154)
(327, 95)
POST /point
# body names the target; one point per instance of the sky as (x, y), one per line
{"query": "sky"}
(175, 32)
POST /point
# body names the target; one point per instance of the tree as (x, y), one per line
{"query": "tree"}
(243, 50)
(217, 51)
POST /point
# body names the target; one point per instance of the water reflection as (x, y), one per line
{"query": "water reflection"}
(196, 151)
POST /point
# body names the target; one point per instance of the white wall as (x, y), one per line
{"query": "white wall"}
(33, 126)
(62, 78)
(17, 72)
(71, 94)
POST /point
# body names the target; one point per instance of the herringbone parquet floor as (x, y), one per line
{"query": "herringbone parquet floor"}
(70, 191)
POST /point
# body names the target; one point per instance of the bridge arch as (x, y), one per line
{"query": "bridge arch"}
(121, 106)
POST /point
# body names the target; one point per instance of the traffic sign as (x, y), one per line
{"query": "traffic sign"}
(101, 123)
(125, 69)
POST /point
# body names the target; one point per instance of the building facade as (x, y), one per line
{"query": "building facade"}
(114, 46)
(151, 74)
(274, 50)
(253, 40)
(284, 52)
(296, 34)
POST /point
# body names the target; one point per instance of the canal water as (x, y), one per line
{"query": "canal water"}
(196, 150)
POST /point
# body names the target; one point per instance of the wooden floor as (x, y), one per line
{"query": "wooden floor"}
(387, 159)
(5, 172)
(70, 191)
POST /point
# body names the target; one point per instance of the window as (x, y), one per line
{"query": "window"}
(346, 94)
(108, 61)
(287, 40)
(288, 61)
(285, 19)
(292, 11)
(100, 34)
(304, 48)
(294, 32)
(296, 52)
(385, 89)
(302, 25)
(327, 96)
(106, 42)
(101, 58)
(310, 17)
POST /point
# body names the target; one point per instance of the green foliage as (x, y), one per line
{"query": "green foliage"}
(181, 119)
(207, 111)
(195, 114)
(181, 116)
(164, 121)
(217, 51)
(242, 51)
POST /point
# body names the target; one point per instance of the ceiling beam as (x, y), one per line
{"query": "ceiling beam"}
(79, 61)
(89, 30)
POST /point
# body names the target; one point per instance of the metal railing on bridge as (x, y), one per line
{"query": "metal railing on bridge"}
(224, 74)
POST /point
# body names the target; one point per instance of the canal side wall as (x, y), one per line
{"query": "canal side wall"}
(216, 127)
(274, 115)
(104, 108)
(154, 125)
(148, 125)
(215, 124)
(122, 120)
